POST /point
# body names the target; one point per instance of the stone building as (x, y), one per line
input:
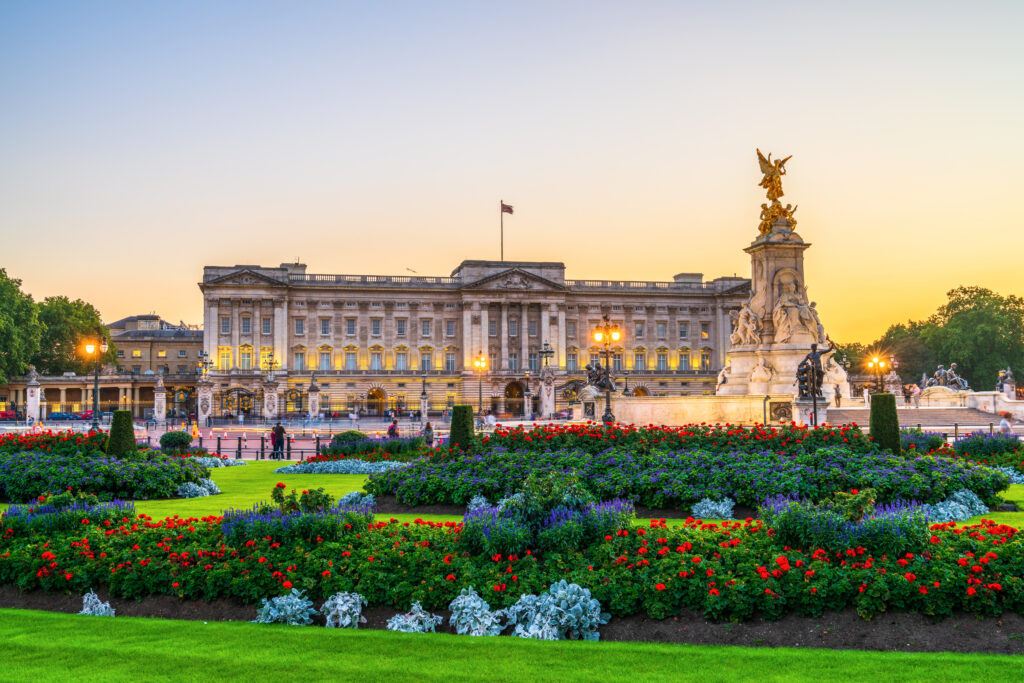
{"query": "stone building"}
(282, 341)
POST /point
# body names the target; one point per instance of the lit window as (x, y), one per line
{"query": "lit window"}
(401, 361)
(705, 330)
(350, 360)
(300, 361)
(161, 353)
(136, 353)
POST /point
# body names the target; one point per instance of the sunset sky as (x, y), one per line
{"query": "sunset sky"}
(140, 141)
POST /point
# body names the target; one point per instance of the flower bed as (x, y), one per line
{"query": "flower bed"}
(57, 443)
(679, 479)
(596, 438)
(732, 571)
(25, 476)
(372, 450)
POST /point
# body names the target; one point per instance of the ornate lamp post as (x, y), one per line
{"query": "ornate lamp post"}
(606, 333)
(481, 365)
(91, 350)
(877, 365)
(204, 364)
(423, 396)
(625, 388)
(527, 407)
(545, 354)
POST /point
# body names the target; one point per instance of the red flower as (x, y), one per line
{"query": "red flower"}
(909, 577)
(922, 590)
(280, 485)
(936, 539)
(69, 576)
(174, 585)
(325, 573)
(287, 584)
(659, 586)
(450, 577)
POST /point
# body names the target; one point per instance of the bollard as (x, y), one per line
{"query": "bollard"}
(318, 445)
(200, 440)
(991, 429)
(956, 432)
(263, 447)
(238, 453)
(290, 439)
(218, 446)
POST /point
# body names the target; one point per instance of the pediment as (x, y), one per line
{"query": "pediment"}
(245, 278)
(514, 279)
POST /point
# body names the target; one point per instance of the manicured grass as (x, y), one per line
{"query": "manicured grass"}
(48, 646)
(1014, 494)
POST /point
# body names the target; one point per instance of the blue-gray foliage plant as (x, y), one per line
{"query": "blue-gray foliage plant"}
(706, 508)
(418, 620)
(212, 462)
(293, 609)
(205, 487)
(353, 466)
(93, 607)
(472, 616)
(477, 502)
(344, 610)
(358, 499)
(565, 612)
(959, 506)
(1016, 476)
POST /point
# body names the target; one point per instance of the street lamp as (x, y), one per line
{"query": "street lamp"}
(545, 353)
(527, 408)
(480, 364)
(606, 333)
(423, 395)
(625, 388)
(877, 366)
(91, 350)
(204, 363)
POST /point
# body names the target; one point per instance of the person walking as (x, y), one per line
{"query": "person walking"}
(273, 444)
(1005, 425)
(867, 398)
(839, 395)
(393, 430)
(915, 394)
(279, 442)
(428, 435)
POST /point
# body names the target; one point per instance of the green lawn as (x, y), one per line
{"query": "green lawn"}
(48, 646)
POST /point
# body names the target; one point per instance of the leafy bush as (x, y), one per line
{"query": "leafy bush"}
(893, 529)
(460, 437)
(958, 507)
(472, 616)
(214, 462)
(1016, 476)
(175, 441)
(981, 444)
(358, 499)
(705, 508)
(62, 516)
(347, 436)
(375, 449)
(884, 424)
(341, 467)
(204, 487)
(308, 501)
(344, 610)
(293, 609)
(417, 620)
(26, 476)
(121, 440)
(920, 442)
(477, 502)
(261, 521)
(93, 607)
(565, 612)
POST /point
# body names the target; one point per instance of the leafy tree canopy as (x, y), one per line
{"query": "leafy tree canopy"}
(20, 329)
(67, 327)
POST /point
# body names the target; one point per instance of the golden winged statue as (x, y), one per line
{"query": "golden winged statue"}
(773, 172)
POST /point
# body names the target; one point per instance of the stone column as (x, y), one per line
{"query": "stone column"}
(545, 325)
(32, 392)
(524, 336)
(560, 347)
(63, 399)
(281, 333)
(211, 330)
(468, 349)
(504, 336)
(476, 341)
(547, 392)
(235, 304)
(485, 339)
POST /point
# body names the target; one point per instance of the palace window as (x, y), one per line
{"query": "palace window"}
(513, 328)
(300, 361)
(570, 361)
(300, 326)
(662, 362)
(350, 327)
(400, 327)
(639, 330)
(638, 309)
(617, 362)
(245, 359)
(375, 327)
(705, 330)
(532, 328)
(120, 353)
(534, 364)
(136, 369)
(224, 355)
(570, 327)
(401, 361)
(350, 361)
(425, 328)
(449, 362)
(246, 325)
(182, 353)
(513, 362)
(449, 328)
(325, 361)
(705, 361)
(325, 327)
(684, 359)
(492, 328)
(136, 353)
(639, 361)
(684, 330)
(662, 330)
(161, 353)
(426, 361)
(265, 326)
(225, 324)
(375, 361)
(182, 369)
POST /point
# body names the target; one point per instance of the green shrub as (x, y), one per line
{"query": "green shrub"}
(347, 436)
(175, 441)
(885, 427)
(461, 435)
(121, 440)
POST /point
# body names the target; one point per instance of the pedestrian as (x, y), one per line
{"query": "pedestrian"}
(428, 435)
(839, 395)
(273, 444)
(279, 442)
(915, 394)
(393, 430)
(867, 398)
(1005, 425)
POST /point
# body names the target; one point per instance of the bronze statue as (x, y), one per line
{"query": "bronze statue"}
(773, 172)
(811, 371)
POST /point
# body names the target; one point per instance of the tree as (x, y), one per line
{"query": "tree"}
(906, 341)
(979, 330)
(20, 330)
(67, 326)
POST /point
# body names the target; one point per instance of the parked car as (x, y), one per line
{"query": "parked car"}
(84, 415)
(8, 415)
(62, 416)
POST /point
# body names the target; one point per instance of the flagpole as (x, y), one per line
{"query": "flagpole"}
(501, 214)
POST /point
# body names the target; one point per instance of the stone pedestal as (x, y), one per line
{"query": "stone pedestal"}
(204, 401)
(270, 398)
(159, 404)
(1010, 389)
(424, 406)
(803, 409)
(547, 392)
(314, 402)
(32, 396)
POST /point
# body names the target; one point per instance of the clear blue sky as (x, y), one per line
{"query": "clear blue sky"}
(143, 140)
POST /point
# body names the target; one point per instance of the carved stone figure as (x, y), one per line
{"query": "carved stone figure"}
(762, 371)
(599, 377)
(723, 374)
(747, 326)
(954, 380)
(515, 281)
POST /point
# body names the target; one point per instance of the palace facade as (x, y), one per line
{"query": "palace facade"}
(374, 342)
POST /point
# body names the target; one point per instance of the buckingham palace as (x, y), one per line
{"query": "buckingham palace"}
(280, 341)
